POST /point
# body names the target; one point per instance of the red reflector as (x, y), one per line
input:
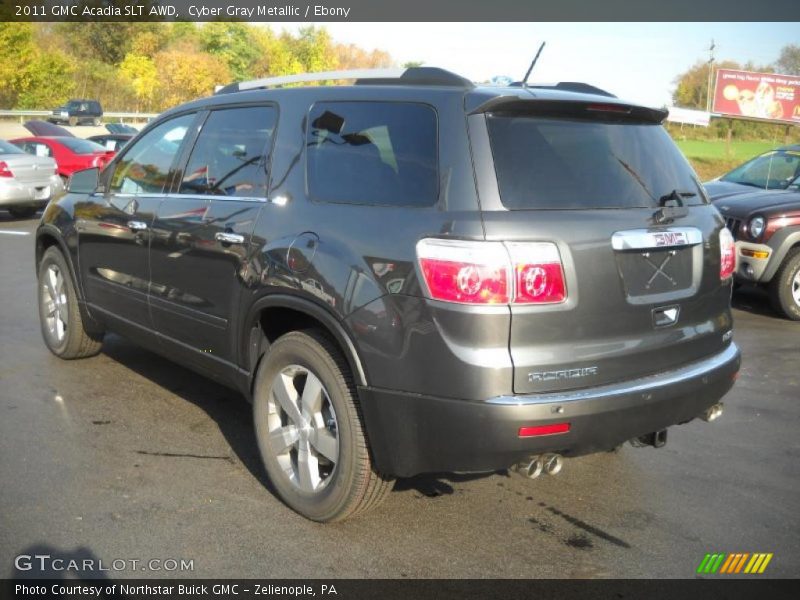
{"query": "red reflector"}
(543, 430)
(4, 170)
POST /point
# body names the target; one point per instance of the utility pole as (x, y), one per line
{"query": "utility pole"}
(710, 75)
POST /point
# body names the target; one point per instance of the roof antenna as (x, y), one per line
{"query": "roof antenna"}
(533, 64)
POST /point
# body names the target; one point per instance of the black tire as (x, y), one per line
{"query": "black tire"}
(74, 341)
(72, 121)
(22, 212)
(96, 122)
(784, 289)
(351, 485)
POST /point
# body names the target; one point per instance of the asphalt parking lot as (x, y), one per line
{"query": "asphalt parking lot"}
(127, 456)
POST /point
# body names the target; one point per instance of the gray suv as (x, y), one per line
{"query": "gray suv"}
(408, 274)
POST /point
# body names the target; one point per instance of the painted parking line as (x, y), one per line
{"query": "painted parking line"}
(10, 232)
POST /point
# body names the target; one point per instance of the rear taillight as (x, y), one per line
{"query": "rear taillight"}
(466, 272)
(538, 274)
(727, 254)
(492, 272)
(4, 170)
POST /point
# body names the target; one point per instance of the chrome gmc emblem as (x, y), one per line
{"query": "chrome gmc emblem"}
(670, 238)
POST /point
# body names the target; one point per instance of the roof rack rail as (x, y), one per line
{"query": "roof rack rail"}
(412, 76)
(567, 86)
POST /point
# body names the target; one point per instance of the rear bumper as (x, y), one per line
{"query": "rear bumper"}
(411, 434)
(14, 193)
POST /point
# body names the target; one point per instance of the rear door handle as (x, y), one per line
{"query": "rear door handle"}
(137, 225)
(227, 237)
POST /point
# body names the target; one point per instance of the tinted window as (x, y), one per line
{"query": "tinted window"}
(379, 153)
(79, 146)
(773, 170)
(562, 163)
(145, 167)
(228, 158)
(6, 148)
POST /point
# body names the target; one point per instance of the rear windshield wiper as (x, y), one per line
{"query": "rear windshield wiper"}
(677, 195)
(667, 214)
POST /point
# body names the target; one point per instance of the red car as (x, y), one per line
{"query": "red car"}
(70, 153)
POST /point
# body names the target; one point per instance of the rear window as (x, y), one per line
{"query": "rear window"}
(79, 146)
(372, 153)
(6, 148)
(555, 163)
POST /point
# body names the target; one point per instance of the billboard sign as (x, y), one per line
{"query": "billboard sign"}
(688, 116)
(751, 95)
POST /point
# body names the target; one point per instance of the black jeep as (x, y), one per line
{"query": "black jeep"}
(78, 112)
(409, 274)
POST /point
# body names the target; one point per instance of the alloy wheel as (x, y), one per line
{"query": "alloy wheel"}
(54, 301)
(303, 431)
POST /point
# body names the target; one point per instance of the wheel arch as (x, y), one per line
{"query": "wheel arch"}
(276, 314)
(787, 239)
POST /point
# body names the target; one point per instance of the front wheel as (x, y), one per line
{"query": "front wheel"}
(784, 289)
(310, 432)
(59, 313)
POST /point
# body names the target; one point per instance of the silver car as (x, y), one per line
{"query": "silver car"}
(27, 182)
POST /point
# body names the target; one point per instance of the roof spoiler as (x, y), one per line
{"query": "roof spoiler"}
(582, 109)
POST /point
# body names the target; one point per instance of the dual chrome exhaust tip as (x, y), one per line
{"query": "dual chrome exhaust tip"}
(551, 464)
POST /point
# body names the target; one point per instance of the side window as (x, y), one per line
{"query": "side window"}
(41, 150)
(145, 167)
(228, 157)
(373, 153)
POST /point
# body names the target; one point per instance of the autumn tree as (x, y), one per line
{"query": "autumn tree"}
(313, 48)
(275, 57)
(46, 81)
(788, 62)
(691, 87)
(184, 75)
(16, 43)
(350, 56)
(233, 43)
(140, 74)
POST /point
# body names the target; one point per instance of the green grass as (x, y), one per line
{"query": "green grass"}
(717, 149)
(712, 158)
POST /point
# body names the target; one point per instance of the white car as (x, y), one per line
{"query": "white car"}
(27, 182)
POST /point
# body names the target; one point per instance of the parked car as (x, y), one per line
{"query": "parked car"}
(26, 182)
(773, 170)
(416, 277)
(118, 135)
(111, 141)
(766, 227)
(78, 112)
(70, 153)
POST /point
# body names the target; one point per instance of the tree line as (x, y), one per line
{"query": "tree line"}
(149, 67)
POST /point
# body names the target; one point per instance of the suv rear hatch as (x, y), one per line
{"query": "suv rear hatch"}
(645, 289)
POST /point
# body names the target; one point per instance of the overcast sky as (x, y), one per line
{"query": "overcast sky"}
(636, 61)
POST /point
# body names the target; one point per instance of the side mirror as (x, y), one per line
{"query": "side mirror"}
(84, 182)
